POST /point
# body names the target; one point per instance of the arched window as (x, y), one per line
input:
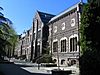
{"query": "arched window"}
(73, 62)
(63, 45)
(55, 46)
(73, 44)
(62, 61)
(55, 60)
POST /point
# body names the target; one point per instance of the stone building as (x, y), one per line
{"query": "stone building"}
(60, 31)
(23, 48)
(17, 51)
(64, 36)
(32, 42)
(41, 32)
(26, 44)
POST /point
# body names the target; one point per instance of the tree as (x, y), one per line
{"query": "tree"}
(90, 39)
(8, 36)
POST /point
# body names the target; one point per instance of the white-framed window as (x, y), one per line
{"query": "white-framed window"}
(64, 44)
(55, 29)
(73, 47)
(72, 22)
(63, 26)
(73, 44)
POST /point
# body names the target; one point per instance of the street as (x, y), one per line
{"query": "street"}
(13, 69)
(21, 67)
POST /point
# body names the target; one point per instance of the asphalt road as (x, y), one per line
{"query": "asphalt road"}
(13, 69)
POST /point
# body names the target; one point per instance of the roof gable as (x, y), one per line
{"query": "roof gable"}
(45, 17)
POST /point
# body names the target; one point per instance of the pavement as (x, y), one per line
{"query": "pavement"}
(13, 69)
(20, 67)
(48, 70)
(34, 68)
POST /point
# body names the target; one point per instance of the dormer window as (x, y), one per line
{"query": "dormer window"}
(72, 22)
(63, 25)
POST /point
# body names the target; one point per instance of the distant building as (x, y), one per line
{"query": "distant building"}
(60, 33)
(17, 51)
(32, 46)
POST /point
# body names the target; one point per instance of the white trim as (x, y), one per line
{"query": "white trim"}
(72, 20)
(72, 36)
(78, 7)
(66, 11)
(55, 40)
(63, 26)
(63, 38)
(55, 29)
(39, 29)
(42, 25)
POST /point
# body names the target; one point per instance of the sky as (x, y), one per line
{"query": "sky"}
(21, 12)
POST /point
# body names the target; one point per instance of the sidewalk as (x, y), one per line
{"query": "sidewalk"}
(48, 70)
(33, 68)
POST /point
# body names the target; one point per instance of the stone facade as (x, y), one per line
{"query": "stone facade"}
(64, 36)
(41, 31)
(23, 48)
(60, 31)
(33, 41)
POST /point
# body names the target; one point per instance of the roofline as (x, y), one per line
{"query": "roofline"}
(66, 11)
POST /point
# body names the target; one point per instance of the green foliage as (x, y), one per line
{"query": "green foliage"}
(8, 36)
(94, 1)
(46, 56)
(90, 24)
(44, 59)
(90, 39)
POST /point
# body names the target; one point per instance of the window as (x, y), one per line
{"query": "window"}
(63, 26)
(55, 46)
(62, 62)
(73, 44)
(55, 60)
(73, 62)
(39, 34)
(55, 29)
(73, 22)
(63, 45)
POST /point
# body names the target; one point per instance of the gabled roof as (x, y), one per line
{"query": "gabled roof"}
(45, 17)
(66, 11)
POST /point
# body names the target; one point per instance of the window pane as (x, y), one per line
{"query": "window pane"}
(55, 46)
(75, 44)
(71, 44)
(63, 45)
